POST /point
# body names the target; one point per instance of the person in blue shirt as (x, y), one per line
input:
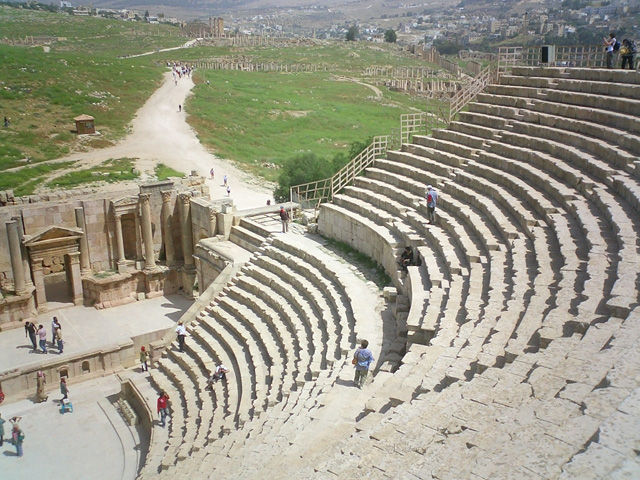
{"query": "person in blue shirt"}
(362, 359)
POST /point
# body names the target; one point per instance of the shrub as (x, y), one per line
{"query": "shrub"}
(304, 168)
(309, 167)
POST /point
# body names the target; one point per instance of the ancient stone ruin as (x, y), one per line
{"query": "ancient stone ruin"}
(511, 349)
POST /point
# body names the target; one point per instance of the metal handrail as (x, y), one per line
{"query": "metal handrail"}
(312, 194)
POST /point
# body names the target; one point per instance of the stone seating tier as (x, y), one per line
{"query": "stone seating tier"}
(523, 324)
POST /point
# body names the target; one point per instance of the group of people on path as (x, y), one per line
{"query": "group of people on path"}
(38, 336)
(179, 70)
(225, 181)
(17, 435)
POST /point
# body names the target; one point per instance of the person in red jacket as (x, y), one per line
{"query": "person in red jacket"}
(163, 408)
(284, 217)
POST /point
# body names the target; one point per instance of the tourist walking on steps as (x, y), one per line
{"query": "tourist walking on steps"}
(610, 44)
(284, 217)
(163, 408)
(2, 422)
(64, 390)
(17, 437)
(144, 359)
(225, 180)
(432, 202)
(59, 341)
(180, 107)
(220, 373)
(42, 336)
(30, 331)
(362, 359)
(41, 381)
(228, 190)
(182, 334)
(212, 173)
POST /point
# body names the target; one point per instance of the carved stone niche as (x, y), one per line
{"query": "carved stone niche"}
(53, 250)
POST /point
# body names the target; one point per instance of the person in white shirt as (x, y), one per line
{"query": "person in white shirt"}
(219, 374)
(182, 334)
(610, 44)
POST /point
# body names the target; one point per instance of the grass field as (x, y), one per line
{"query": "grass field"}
(263, 118)
(339, 56)
(41, 92)
(163, 172)
(113, 170)
(256, 119)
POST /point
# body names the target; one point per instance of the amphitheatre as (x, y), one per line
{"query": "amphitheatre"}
(510, 350)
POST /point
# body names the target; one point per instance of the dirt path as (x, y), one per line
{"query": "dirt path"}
(184, 45)
(373, 88)
(160, 134)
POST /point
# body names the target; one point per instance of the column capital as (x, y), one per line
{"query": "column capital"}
(118, 217)
(166, 195)
(213, 214)
(144, 198)
(185, 198)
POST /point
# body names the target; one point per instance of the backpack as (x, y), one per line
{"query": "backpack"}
(616, 46)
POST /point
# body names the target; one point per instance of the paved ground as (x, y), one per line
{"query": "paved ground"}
(160, 134)
(92, 443)
(85, 328)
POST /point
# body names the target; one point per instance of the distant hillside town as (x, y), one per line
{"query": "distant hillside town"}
(470, 25)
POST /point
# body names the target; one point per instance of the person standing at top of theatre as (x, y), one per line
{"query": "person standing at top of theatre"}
(284, 217)
(610, 44)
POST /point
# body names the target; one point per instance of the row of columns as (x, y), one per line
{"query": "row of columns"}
(143, 222)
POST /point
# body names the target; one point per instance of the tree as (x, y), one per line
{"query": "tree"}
(352, 33)
(390, 36)
(304, 168)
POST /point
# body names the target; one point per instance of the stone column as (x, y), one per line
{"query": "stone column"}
(38, 281)
(85, 264)
(25, 255)
(16, 258)
(139, 256)
(76, 277)
(185, 229)
(167, 234)
(119, 240)
(147, 232)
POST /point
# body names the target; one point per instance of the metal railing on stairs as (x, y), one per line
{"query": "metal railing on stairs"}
(438, 115)
(312, 194)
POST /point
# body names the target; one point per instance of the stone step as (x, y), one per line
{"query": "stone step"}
(371, 239)
(245, 238)
(303, 309)
(340, 312)
(291, 322)
(319, 306)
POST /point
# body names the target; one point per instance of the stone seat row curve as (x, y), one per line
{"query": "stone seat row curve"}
(571, 275)
(537, 222)
(282, 325)
(522, 326)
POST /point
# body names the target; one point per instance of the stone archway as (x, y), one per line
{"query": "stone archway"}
(55, 245)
